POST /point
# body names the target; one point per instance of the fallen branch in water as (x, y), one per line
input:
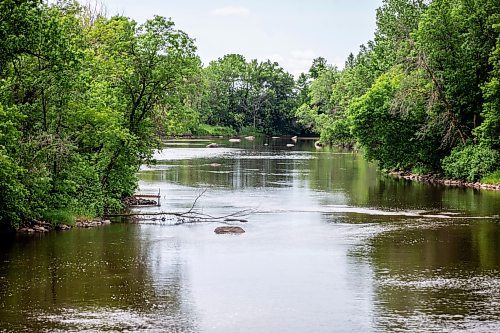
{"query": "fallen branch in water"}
(189, 216)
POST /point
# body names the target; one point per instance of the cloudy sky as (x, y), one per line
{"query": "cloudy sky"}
(291, 32)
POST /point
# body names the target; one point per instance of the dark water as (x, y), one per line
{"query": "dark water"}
(331, 245)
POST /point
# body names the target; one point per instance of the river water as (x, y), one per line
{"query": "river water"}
(331, 245)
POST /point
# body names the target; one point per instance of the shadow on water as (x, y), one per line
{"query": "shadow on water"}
(333, 245)
(90, 280)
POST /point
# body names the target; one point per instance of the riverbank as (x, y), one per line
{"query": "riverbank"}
(37, 226)
(437, 179)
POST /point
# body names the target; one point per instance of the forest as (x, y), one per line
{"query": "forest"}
(85, 98)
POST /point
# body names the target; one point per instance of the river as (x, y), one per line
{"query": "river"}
(331, 245)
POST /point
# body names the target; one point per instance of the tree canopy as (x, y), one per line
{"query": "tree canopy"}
(423, 95)
(85, 98)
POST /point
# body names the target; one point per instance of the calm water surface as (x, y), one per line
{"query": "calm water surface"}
(331, 245)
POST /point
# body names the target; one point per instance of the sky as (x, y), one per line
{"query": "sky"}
(291, 32)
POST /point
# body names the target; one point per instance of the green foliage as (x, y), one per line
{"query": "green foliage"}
(314, 114)
(489, 130)
(82, 101)
(60, 216)
(471, 162)
(384, 136)
(240, 94)
(427, 84)
(13, 192)
(492, 178)
(249, 130)
(338, 132)
(209, 130)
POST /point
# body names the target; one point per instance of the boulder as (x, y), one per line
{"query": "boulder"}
(212, 145)
(26, 230)
(229, 230)
(63, 227)
(40, 229)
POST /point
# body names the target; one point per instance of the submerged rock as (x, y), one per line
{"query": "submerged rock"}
(229, 230)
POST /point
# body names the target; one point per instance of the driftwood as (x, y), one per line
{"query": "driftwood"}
(189, 216)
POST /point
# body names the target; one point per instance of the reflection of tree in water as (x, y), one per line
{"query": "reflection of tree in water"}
(437, 274)
(363, 185)
(251, 171)
(97, 279)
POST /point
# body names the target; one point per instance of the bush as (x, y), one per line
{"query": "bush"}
(12, 192)
(60, 216)
(492, 178)
(338, 133)
(249, 130)
(470, 162)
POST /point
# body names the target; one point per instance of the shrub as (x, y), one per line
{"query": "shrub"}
(338, 133)
(470, 162)
(60, 216)
(249, 130)
(492, 178)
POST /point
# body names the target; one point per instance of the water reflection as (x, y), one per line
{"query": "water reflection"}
(91, 280)
(250, 165)
(333, 245)
(438, 275)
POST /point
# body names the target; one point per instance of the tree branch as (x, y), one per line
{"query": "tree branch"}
(189, 216)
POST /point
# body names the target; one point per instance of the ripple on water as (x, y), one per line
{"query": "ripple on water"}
(159, 318)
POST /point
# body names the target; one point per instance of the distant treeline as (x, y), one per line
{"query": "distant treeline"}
(84, 99)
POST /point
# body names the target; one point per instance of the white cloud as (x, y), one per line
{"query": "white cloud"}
(295, 62)
(306, 54)
(230, 11)
(275, 57)
(300, 61)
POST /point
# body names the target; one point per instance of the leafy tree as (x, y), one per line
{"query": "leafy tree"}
(489, 130)
(241, 94)
(79, 98)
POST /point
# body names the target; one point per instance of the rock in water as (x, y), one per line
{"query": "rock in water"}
(212, 145)
(229, 230)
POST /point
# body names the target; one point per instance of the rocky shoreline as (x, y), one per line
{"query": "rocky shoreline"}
(42, 227)
(437, 179)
